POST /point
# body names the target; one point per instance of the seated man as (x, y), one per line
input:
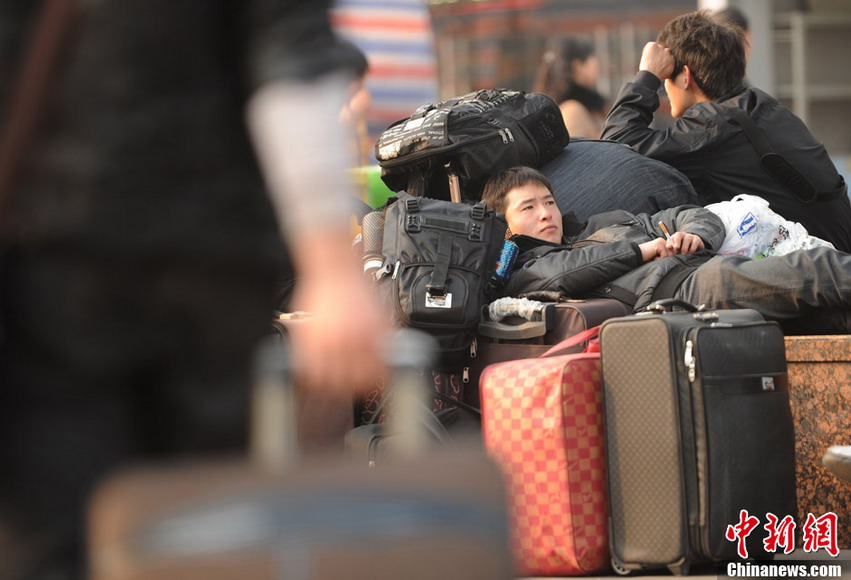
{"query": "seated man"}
(702, 64)
(625, 256)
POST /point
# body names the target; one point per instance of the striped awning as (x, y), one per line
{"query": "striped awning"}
(397, 37)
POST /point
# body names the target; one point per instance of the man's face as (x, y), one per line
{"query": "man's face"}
(531, 210)
(680, 98)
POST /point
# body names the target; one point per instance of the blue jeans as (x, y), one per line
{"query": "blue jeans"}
(591, 177)
(808, 291)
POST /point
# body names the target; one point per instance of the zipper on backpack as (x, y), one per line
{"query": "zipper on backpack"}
(507, 136)
(425, 154)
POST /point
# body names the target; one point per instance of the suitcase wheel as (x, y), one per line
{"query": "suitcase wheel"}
(620, 569)
(679, 570)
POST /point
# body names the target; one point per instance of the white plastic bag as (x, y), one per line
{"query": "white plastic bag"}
(756, 231)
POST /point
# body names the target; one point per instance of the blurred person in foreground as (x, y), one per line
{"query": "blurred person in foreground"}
(702, 65)
(569, 75)
(142, 249)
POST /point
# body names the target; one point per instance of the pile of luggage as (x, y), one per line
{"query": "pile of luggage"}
(536, 435)
(632, 441)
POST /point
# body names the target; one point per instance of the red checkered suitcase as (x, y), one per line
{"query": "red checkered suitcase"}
(543, 423)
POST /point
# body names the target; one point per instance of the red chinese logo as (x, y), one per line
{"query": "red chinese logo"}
(781, 534)
(742, 530)
(818, 533)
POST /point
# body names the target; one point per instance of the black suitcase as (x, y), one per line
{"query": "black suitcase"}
(698, 428)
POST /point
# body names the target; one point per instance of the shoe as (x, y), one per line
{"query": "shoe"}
(837, 459)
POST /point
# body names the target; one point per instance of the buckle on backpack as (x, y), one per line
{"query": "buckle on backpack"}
(412, 205)
(413, 223)
(476, 232)
(478, 212)
(438, 298)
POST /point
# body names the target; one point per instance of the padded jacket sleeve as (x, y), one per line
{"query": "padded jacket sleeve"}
(574, 271)
(691, 220)
(607, 251)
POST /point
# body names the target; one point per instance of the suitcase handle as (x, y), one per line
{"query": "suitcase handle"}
(274, 441)
(574, 340)
(668, 304)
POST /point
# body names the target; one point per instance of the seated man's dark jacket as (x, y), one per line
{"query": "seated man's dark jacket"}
(715, 154)
(602, 259)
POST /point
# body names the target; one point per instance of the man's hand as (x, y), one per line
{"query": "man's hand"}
(683, 243)
(680, 243)
(341, 349)
(658, 60)
(653, 250)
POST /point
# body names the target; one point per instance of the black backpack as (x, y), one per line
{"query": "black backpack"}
(470, 138)
(440, 267)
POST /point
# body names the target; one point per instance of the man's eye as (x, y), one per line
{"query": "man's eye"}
(550, 202)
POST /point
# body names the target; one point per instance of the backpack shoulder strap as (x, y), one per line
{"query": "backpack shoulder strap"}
(773, 162)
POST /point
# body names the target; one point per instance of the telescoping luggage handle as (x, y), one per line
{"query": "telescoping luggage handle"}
(274, 444)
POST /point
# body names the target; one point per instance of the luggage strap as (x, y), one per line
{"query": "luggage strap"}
(437, 283)
(794, 182)
(574, 340)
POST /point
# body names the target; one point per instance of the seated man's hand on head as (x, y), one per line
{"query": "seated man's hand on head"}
(658, 60)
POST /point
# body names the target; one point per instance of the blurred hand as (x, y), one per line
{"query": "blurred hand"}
(341, 348)
(658, 60)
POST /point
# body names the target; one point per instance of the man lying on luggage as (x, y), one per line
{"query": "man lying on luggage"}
(628, 257)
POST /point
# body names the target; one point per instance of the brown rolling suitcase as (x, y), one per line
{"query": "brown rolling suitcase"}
(419, 515)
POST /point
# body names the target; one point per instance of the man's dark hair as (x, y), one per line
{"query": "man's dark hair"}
(714, 52)
(493, 195)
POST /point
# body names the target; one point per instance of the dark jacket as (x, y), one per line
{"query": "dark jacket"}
(603, 260)
(715, 154)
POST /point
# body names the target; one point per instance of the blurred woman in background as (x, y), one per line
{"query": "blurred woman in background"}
(569, 74)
